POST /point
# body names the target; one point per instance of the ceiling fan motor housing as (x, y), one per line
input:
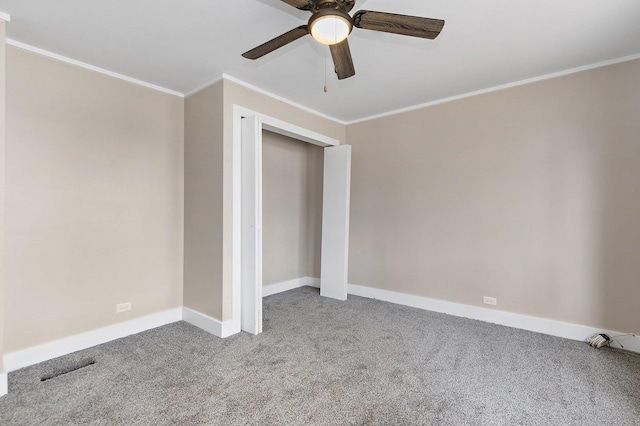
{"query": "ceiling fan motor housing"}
(333, 13)
(345, 5)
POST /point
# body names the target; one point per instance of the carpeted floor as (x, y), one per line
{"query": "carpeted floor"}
(325, 362)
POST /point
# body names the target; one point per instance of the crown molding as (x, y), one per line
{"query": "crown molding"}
(251, 87)
(61, 58)
(281, 98)
(5, 17)
(498, 88)
(202, 86)
(254, 88)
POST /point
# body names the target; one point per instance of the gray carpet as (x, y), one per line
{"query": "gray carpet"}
(325, 362)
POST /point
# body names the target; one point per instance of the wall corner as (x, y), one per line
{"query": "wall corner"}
(4, 18)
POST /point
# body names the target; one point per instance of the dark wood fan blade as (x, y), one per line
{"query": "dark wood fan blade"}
(342, 59)
(299, 4)
(346, 5)
(413, 26)
(277, 43)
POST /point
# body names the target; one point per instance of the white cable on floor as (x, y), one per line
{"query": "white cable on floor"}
(600, 340)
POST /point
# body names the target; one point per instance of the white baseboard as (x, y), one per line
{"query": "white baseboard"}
(57, 348)
(37, 354)
(283, 286)
(67, 345)
(4, 384)
(209, 324)
(509, 319)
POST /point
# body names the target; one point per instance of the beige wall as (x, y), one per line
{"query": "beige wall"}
(203, 201)
(315, 175)
(209, 189)
(292, 208)
(94, 200)
(239, 95)
(528, 194)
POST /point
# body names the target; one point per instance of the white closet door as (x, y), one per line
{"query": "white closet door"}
(335, 222)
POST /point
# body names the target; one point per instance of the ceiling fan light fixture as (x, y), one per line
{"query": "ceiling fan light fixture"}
(330, 26)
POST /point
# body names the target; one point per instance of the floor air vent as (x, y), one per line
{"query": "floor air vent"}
(68, 369)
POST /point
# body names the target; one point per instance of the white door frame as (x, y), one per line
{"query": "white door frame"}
(262, 122)
(251, 223)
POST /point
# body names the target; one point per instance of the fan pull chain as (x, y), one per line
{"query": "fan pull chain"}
(325, 72)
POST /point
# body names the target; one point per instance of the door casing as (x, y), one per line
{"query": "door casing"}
(247, 214)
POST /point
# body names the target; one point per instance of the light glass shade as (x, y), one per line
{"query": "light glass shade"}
(330, 29)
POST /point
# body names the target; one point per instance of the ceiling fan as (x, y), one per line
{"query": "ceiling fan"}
(331, 24)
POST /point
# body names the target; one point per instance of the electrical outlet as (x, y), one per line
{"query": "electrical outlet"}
(489, 300)
(123, 307)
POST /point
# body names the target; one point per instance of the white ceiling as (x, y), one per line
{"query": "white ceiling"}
(180, 44)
